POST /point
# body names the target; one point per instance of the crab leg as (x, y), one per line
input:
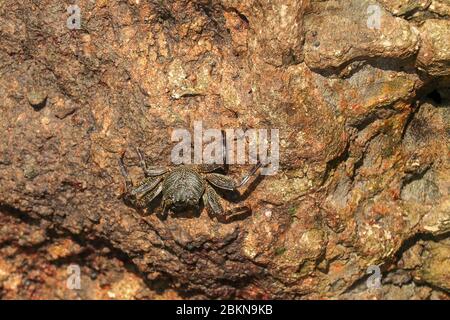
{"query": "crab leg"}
(227, 183)
(149, 171)
(124, 172)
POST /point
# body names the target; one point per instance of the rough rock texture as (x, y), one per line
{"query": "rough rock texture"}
(364, 120)
(326, 47)
(434, 55)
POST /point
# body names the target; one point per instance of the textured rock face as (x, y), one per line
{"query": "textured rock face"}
(434, 55)
(362, 108)
(361, 38)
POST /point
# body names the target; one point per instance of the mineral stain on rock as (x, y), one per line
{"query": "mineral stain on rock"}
(364, 147)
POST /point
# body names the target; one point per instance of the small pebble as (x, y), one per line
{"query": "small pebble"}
(37, 98)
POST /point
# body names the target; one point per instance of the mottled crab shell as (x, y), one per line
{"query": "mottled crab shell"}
(182, 188)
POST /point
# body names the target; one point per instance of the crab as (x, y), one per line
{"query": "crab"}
(183, 187)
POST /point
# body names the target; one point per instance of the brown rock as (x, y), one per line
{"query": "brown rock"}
(363, 177)
(434, 55)
(404, 7)
(37, 98)
(440, 7)
(391, 38)
(436, 265)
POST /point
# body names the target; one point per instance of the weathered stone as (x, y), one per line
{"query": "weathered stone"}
(440, 7)
(436, 265)
(404, 7)
(434, 55)
(325, 48)
(363, 178)
(37, 98)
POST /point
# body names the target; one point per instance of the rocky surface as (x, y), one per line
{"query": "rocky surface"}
(364, 121)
